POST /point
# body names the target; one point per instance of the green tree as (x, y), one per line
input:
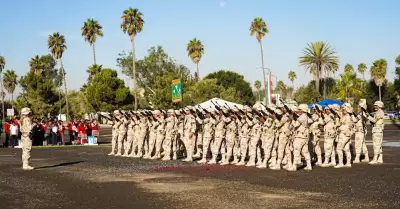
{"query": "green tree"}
(2, 65)
(292, 76)
(195, 50)
(397, 78)
(90, 30)
(132, 23)
(281, 87)
(362, 68)
(154, 74)
(257, 85)
(39, 91)
(57, 46)
(10, 82)
(349, 86)
(93, 70)
(348, 68)
(306, 94)
(259, 28)
(107, 92)
(241, 88)
(319, 57)
(378, 73)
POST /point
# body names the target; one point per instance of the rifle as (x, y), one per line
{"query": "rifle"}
(206, 111)
(219, 109)
(332, 111)
(232, 112)
(268, 109)
(320, 111)
(295, 116)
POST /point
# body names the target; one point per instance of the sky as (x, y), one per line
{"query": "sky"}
(359, 30)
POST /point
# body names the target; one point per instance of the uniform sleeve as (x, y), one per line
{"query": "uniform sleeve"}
(200, 121)
(249, 122)
(281, 122)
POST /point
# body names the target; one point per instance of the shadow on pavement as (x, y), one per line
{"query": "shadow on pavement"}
(59, 165)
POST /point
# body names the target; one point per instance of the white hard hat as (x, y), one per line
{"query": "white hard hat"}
(379, 104)
(278, 111)
(257, 106)
(25, 111)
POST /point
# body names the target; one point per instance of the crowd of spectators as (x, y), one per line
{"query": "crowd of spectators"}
(50, 132)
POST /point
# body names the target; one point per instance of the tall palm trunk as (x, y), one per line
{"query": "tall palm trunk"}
(12, 100)
(2, 97)
(94, 54)
(263, 70)
(197, 69)
(134, 69)
(324, 84)
(292, 94)
(65, 89)
(380, 99)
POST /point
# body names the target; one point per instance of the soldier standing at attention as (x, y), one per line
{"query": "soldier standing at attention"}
(26, 127)
(377, 132)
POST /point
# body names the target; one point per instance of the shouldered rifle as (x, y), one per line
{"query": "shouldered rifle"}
(243, 113)
(294, 115)
(320, 111)
(332, 111)
(219, 109)
(232, 112)
(206, 111)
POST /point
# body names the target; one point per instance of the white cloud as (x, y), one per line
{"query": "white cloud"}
(222, 3)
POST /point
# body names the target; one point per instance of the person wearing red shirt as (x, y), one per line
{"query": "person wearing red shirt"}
(7, 132)
(95, 130)
(82, 136)
(71, 131)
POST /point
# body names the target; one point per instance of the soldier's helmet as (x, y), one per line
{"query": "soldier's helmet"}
(346, 106)
(278, 111)
(170, 111)
(116, 112)
(257, 106)
(25, 111)
(272, 107)
(336, 107)
(303, 107)
(379, 104)
(363, 105)
(177, 112)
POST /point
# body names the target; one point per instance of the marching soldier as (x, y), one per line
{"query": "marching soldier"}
(208, 128)
(284, 133)
(360, 131)
(170, 132)
(218, 137)
(329, 137)
(377, 132)
(316, 134)
(189, 130)
(231, 129)
(130, 135)
(121, 132)
(300, 143)
(160, 134)
(244, 134)
(114, 139)
(26, 128)
(345, 131)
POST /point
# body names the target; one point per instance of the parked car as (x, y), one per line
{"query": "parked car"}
(396, 116)
(390, 114)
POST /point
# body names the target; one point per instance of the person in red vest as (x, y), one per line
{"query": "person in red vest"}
(71, 131)
(95, 130)
(82, 136)
(61, 132)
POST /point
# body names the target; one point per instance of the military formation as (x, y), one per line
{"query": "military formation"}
(274, 136)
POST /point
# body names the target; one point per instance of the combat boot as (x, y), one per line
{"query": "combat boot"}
(235, 160)
(340, 165)
(213, 160)
(202, 161)
(357, 159)
(166, 158)
(241, 162)
(251, 162)
(175, 157)
(275, 167)
(366, 158)
(111, 153)
(27, 167)
(292, 168)
(374, 160)
(380, 159)
(118, 154)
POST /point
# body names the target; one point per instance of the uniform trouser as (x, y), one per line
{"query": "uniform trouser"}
(236, 148)
(159, 141)
(377, 143)
(329, 149)
(274, 152)
(206, 145)
(300, 146)
(121, 137)
(360, 145)
(230, 143)
(189, 144)
(199, 142)
(26, 150)
(217, 144)
(268, 142)
(254, 140)
(244, 144)
(152, 142)
(167, 144)
(283, 140)
(315, 142)
(128, 144)
(140, 142)
(175, 142)
(114, 140)
(343, 146)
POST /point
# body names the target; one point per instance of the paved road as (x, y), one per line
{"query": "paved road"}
(85, 177)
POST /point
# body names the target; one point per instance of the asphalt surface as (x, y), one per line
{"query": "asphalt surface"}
(85, 177)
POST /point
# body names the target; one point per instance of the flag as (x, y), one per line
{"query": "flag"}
(176, 90)
(269, 89)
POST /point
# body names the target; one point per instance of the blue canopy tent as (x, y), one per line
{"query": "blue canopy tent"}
(325, 102)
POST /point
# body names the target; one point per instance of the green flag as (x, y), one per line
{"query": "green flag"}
(176, 90)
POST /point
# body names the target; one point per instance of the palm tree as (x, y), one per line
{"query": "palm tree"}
(281, 86)
(319, 57)
(348, 68)
(257, 85)
(398, 61)
(292, 76)
(2, 65)
(349, 86)
(195, 51)
(259, 28)
(10, 82)
(361, 69)
(132, 23)
(36, 65)
(93, 70)
(57, 46)
(90, 30)
(378, 73)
